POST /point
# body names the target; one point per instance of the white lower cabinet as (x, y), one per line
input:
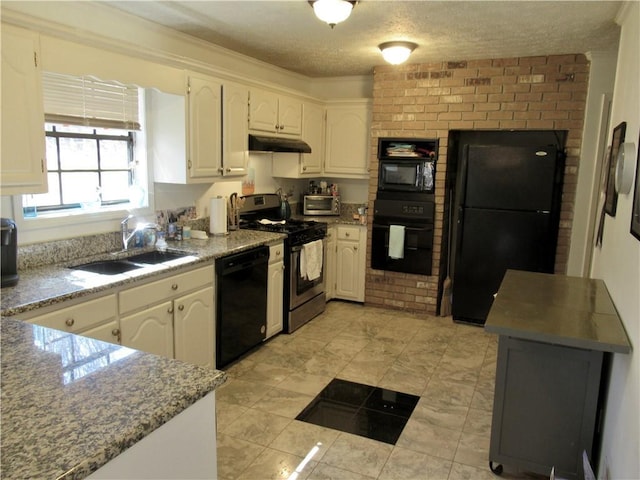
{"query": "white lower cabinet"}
(193, 328)
(350, 262)
(150, 330)
(275, 294)
(330, 263)
(173, 317)
(96, 318)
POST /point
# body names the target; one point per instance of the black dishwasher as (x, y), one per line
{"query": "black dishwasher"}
(241, 312)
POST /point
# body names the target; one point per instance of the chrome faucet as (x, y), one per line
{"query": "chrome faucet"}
(126, 236)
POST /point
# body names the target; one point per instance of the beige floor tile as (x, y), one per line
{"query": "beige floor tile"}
(478, 421)
(446, 416)
(324, 363)
(358, 454)
(240, 392)
(443, 393)
(283, 402)
(306, 383)
(327, 472)
(346, 346)
(406, 464)
(424, 437)
(263, 372)
(467, 472)
(403, 380)
(299, 438)
(234, 455)
(257, 427)
(473, 449)
(227, 413)
(276, 465)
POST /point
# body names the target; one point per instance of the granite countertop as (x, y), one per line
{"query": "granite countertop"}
(70, 403)
(51, 284)
(571, 311)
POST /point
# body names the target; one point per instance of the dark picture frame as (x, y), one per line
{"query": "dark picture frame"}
(611, 200)
(635, 209)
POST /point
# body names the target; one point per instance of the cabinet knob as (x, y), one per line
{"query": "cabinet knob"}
(228, 170)
(69, 322)
(304, 168)
(116, 333)
(278, 253)
(174, 286)
(170, 309)
(181, 307)
(346, 234)
(355, 249)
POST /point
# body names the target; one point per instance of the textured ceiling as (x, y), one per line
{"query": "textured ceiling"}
(287, 33)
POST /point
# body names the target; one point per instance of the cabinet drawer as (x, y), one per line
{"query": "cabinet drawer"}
(276, 253)
(79, 317)
(164, 289)
(349, 233)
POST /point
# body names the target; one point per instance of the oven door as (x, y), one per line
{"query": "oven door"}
(418, 249)
(301, 288)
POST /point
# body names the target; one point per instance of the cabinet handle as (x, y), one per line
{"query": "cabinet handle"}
(174, 286)
(181, 307)
(69, 322)
(116, 333)
(304, 168)
(170, 309)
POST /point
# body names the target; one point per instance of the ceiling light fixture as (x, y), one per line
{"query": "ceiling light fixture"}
(332, 11)
(397, 52)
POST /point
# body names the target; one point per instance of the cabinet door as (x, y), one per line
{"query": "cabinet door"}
(194, 328)
(23, 141)
(263, 111)
(331, 264)
(275, 298)
(289, 116)
(348, 264)
(109, 332)
(347, 141)
(313, 134)
(150, 330)
(205, 128)
(235, 111)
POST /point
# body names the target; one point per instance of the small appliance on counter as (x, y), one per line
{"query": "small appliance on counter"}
(9, 252)
(321, 205)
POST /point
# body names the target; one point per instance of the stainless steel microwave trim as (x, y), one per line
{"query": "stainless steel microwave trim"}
(333, 205)
(263, 143)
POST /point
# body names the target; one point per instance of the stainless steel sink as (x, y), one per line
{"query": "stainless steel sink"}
(156, 256)
(108, 267)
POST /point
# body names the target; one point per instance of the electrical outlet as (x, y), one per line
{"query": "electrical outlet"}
(421, 284)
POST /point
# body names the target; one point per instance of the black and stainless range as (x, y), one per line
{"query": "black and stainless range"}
(304, 299)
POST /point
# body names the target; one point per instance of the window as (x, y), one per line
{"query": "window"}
(91, 129)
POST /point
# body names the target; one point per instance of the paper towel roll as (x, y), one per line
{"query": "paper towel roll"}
(218, 216)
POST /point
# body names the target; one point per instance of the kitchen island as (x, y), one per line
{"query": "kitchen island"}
(71, 404)
(556, 338)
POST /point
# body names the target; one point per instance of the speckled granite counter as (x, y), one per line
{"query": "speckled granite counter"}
(70, 403)
(47, 285)
(570, 311)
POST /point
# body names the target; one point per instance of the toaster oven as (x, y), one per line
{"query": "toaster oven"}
(321, 205)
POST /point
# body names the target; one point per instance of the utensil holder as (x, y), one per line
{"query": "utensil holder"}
(234, 218)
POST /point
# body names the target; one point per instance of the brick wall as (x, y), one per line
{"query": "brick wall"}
(429, 100)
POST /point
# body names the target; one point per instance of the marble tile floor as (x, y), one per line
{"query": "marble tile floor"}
(450, 366)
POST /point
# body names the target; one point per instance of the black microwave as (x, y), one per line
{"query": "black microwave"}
(406, 175)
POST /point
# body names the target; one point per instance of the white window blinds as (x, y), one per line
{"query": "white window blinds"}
(89, 102)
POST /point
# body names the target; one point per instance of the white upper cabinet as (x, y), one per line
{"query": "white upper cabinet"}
(205, 127)
(348, 139)
(185, 133)
(273, 113)
(287, 165)
(22, 158)
(235, 129)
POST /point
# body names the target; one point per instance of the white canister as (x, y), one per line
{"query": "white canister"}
(218, 216)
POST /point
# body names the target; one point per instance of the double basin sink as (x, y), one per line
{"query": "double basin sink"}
(134, 262)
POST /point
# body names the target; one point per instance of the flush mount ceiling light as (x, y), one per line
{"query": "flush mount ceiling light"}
(332, 11)
(396, 52)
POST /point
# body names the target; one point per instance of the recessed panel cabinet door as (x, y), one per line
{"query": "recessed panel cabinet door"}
(22, 158)
(205, 127)
(150, 330)
(194, 328)
(347, 279)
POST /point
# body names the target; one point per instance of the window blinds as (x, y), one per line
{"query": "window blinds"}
(90, 102)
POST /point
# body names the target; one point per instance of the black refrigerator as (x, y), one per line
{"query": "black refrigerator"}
(508, 211)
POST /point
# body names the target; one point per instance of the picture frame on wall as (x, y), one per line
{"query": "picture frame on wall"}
(611, 201)
(635, 209)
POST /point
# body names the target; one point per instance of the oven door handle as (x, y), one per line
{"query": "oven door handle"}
(298, 248)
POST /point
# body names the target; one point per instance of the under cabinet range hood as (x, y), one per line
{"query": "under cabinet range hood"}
(260, 143)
